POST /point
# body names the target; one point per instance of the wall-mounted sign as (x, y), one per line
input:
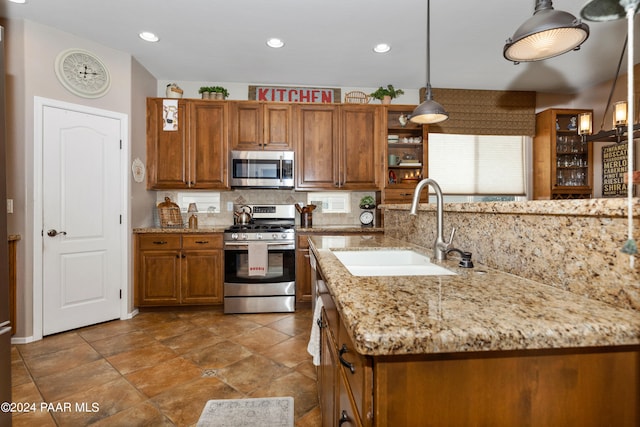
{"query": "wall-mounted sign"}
(294, 94)
(614, 166)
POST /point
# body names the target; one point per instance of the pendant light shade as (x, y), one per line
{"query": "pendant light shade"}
(606, 10)
(546, 34)
(429, 112)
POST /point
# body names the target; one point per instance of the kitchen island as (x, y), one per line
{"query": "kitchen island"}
(480, 347)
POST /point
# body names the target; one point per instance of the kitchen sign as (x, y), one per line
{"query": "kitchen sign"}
(294, 94)
(614, 167)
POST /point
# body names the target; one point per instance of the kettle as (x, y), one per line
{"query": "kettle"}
(243, 216)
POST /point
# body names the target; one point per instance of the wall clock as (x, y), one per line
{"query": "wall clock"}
(82, 73)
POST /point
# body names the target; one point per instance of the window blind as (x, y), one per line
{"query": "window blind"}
(478, 164)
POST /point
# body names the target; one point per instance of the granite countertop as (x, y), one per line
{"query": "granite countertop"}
(179, 230)
(616, 207)
(340, 229)
(479, 309)
(220, 229)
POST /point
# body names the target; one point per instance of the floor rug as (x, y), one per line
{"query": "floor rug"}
(266, 412)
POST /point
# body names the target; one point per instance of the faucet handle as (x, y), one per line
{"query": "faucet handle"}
(453, 233)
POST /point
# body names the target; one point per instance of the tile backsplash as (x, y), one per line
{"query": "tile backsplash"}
(224, 218)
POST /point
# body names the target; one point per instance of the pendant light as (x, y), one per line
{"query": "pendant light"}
(546, 34)
(429, 112)
(611, 10)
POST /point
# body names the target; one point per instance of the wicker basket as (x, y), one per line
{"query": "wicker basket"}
(356, 97)
(170, 216)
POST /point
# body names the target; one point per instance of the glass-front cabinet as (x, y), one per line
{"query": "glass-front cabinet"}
(405, 163)
(562, 163)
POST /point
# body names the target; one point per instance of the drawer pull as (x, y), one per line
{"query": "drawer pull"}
(344, 418)
(160, 242)
(344, 363)
(202, 242)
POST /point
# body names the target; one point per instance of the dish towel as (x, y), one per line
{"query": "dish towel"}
(258, 258)
(313, 348)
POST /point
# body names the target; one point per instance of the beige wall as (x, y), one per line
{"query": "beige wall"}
(32, 50)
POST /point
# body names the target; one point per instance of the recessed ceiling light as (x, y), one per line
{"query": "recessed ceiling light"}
(382, 48)
(148, 36)
(275, 43)
(18, 1)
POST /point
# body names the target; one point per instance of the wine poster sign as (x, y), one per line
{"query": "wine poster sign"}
(614, 166)
(294, 94)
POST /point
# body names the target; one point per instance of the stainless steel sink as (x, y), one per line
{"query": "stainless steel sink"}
(389, 262)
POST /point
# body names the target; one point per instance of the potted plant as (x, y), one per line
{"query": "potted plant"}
(221, 93)
(385, 95)
(367, 202)
(205, 91)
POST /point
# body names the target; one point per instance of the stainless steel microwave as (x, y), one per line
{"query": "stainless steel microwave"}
(262, 169)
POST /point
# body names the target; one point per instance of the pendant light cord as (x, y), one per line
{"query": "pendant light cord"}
(630, 246)
(428, 95)
(613, 87)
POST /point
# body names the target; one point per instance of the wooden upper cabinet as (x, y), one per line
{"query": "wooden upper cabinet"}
(317, 148)
(359, 152)
(260, 126)
(195, 154)
(208, 145)
(338, 147)
(167, 152)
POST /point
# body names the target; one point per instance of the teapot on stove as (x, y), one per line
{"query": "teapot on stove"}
(243, 215)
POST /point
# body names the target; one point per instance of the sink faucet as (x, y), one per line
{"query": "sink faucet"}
(440, 247)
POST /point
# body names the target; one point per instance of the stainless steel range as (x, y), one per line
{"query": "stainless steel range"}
(272, 288)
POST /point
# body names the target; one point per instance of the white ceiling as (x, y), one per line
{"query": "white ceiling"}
(329, 42)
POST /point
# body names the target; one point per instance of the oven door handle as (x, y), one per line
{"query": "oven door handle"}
(236, 244)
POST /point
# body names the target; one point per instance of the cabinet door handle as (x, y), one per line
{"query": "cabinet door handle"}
(344, 418)
(321, 324)
(202, 242)
(344, 363)
(160, 242)
(184, 256)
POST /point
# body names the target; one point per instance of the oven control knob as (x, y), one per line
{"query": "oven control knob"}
(259, 236)
(274, 236)
(234, 236)
(244, 236)
(284, 235)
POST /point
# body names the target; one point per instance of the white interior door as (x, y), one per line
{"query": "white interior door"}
(82, 193)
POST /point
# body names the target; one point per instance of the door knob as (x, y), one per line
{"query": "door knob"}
(54, 233)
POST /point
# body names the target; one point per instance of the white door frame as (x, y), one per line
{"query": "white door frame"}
(38, 139)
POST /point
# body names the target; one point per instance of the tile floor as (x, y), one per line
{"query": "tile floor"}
(161, 367)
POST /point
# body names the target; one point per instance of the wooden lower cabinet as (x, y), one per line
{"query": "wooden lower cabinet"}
(303, 269)
(344, 376)
(557, 387)
(179, 269)
(327, 376)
